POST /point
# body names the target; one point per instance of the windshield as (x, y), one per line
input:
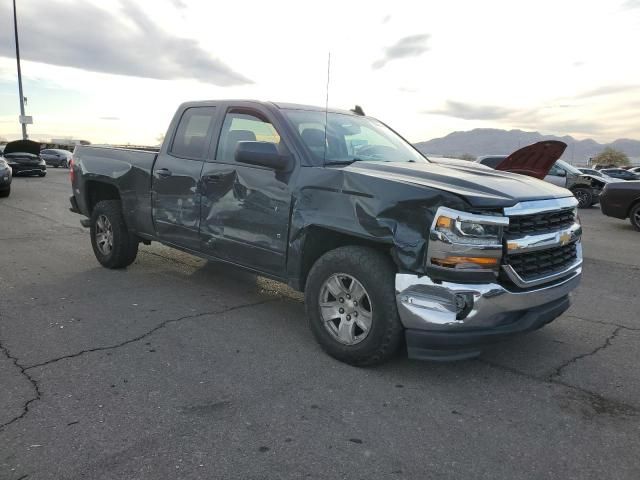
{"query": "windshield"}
(350, 138)
(568, 167)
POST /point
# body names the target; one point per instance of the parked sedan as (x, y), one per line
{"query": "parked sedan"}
(5, 178)
(598, 173)
(622, 200)
(23, 156)
(620, 173)
(56, 157)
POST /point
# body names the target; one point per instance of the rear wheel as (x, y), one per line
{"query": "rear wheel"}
(113, 245)
(584, 197)
(634, 216)
(351, 305)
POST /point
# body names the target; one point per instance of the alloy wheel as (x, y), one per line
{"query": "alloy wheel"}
(345, 308)
(104, 235)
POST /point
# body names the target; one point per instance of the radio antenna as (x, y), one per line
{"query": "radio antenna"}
(326, 110)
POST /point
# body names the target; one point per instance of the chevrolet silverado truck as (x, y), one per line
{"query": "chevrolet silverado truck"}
(388, 247)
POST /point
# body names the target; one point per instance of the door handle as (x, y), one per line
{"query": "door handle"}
(163, 172)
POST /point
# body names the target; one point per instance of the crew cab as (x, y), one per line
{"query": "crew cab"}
(387, 246)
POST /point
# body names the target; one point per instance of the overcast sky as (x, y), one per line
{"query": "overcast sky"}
(115, 70)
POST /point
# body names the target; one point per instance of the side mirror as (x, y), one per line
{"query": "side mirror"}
(263, 154)
(562, 173)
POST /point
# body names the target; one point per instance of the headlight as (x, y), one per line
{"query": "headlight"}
(466, 241)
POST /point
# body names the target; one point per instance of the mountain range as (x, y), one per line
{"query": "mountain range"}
(491, 141)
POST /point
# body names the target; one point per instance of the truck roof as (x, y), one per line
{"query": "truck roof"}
(279, 105)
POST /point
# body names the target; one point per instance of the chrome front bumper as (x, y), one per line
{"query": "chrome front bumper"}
(426, 305)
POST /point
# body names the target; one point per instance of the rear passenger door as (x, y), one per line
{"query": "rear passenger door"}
(176, 178)
(245, 208)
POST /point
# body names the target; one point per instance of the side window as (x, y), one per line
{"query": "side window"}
(492, 162)
(555, 171)
(243, 127)
(193, 133)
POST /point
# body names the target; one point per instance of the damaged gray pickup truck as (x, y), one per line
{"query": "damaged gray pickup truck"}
(387, 246)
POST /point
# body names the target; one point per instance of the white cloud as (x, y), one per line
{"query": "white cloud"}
(513, 57)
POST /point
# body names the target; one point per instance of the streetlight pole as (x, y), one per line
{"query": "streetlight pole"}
(15, 27)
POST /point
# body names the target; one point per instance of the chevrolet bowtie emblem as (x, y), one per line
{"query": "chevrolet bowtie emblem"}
(565, 237)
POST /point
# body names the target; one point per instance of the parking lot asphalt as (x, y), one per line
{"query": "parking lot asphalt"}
(177, 368)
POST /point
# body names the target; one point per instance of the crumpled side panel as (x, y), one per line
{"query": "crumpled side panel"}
(399, 214)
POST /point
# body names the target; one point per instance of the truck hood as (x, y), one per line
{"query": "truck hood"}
(534, 160)
(22, 146)
(478, 185)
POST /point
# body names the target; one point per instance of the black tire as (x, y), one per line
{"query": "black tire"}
(634, 216)
(125, 244)
(42, 174)
(584, 197)
(5, 193)
(376, 273)
(56, 166)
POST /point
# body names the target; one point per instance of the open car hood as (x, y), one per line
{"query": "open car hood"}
(534, 160)
(22, 146)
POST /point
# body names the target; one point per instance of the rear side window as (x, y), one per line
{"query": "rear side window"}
(492, 162)
(193, 133)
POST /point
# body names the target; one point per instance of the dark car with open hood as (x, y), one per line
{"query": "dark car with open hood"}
(387, 246)
(23, 156)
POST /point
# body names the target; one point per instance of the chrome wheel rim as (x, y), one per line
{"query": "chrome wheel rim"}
(583, 197)
(345, 308)
(104, 235)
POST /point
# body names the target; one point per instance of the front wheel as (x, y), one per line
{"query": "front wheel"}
(5, 193)
(634, 216)
(113, 245)
(351, 305)
(584, 197)
(42, 174)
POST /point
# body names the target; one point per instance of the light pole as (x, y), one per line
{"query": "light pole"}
(15, 28)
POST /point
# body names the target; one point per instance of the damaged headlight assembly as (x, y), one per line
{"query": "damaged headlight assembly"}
(462, 242)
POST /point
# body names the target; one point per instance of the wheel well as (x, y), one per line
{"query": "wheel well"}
(632, 206)
(320, 240)
(98, 191)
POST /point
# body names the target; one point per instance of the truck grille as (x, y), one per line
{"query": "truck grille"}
(541, 222)
(532, 265)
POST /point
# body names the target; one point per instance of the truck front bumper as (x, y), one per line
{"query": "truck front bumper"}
(451, 321)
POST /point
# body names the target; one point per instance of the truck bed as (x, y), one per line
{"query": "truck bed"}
(128, 168)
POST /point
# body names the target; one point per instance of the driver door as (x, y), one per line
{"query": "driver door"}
(245, 208)
(557, 176)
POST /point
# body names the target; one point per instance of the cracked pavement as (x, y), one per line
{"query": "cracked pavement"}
(179, 368)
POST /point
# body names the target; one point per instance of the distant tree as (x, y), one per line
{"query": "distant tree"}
(611, 156)
(468, 157)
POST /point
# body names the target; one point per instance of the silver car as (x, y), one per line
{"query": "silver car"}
(56, 157)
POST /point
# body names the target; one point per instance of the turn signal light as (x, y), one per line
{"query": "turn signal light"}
(466, 262)
(444, 222)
